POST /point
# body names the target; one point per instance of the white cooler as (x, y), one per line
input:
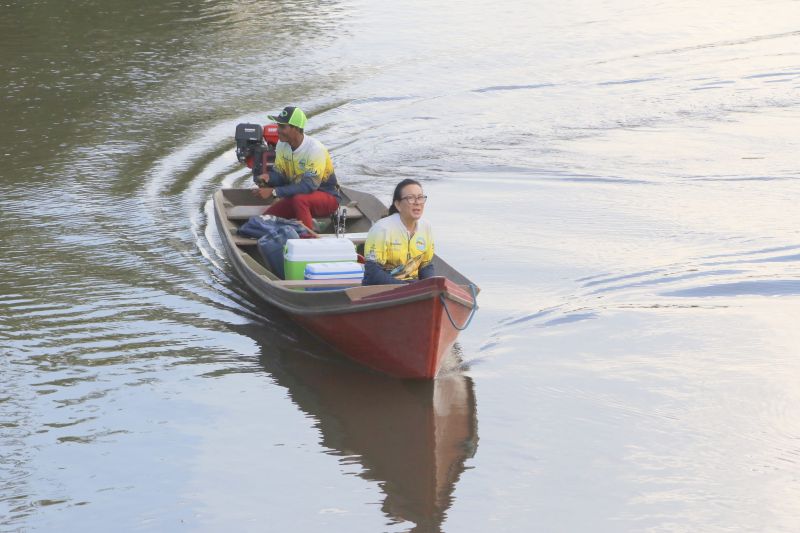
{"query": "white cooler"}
(343, 270)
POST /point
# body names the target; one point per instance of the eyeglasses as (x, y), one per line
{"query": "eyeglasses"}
(421, 199)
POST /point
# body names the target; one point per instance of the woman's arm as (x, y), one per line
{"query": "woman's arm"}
(427, 271)
(375, 275)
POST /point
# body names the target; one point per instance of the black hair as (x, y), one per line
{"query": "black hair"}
(398, 190)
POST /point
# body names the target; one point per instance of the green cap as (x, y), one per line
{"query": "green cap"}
(290, 115)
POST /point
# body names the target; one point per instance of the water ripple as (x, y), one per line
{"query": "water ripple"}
(496, 88)
(776, 287)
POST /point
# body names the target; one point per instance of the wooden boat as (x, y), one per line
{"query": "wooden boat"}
(401, 330)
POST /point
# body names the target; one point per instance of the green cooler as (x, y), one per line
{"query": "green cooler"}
(299, 252)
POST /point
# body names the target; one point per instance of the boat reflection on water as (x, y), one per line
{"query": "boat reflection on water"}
(413, 437)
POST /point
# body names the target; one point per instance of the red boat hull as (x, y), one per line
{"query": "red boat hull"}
(406, 340)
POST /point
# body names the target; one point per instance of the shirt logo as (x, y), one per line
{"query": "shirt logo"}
(420, 244)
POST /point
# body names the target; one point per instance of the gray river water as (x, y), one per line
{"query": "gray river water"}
(620, 178)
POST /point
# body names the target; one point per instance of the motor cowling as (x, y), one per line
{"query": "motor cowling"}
(248, 137)
(271, 134)
(255, 147)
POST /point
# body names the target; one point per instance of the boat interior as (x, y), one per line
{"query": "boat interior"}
(355, 216)
(360, 210)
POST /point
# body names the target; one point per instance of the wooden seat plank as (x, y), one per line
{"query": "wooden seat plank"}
(356, 238)
(244, 212)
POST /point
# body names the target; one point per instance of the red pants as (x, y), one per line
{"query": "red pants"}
(304, 206)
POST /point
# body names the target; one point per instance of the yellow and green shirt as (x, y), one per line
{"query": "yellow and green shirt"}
(395, 251)
(303, 171)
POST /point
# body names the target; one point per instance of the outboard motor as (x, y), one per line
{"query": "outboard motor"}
(255, 147)
(248, 136)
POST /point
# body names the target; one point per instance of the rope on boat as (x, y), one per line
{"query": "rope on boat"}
(471, 313)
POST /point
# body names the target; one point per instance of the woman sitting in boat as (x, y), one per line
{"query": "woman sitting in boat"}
(302, 180)
(399, 247)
